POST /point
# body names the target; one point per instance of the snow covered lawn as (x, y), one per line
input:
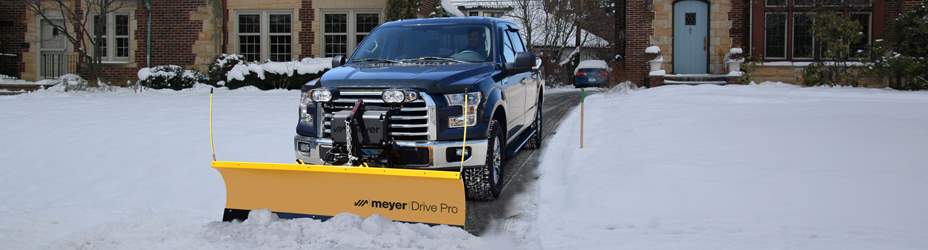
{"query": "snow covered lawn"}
(677, 167)
(767, 166)
(131, 171)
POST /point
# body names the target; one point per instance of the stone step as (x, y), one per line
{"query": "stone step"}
(697, 77)
(676, 82)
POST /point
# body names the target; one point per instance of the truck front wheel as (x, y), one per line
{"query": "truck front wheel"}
(484, 182)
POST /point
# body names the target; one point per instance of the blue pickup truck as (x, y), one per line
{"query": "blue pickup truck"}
(400, 100)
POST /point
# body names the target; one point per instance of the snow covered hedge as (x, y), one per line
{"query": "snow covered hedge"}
(233, 72)
(169, 77)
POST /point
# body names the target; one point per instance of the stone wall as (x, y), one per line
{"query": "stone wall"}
(726, 27)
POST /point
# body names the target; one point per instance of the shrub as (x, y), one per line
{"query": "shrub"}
(276, 75)
(221, 66)
(837, 32)
(169, 77)
(902, 61)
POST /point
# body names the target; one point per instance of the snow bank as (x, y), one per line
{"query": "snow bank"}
(125, 170)
(770, 166)
(306, 66)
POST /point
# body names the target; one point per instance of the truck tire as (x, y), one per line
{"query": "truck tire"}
(484, 183)
(535, 141)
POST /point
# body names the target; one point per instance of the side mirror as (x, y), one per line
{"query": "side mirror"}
(338, 61)
(524, 61)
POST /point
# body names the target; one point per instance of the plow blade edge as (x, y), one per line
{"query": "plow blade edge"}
(423, 196)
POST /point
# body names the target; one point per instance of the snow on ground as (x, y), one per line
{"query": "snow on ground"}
(769, 166)
(125, 170)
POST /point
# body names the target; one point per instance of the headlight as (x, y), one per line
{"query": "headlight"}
(399, 95)
(393, 96)
(305, 101)
(321, 95)
(473, 100)
(411, 96)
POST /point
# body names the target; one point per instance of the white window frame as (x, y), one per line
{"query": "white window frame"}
(350, 31)
(110, 37)
(785, 38)
(264, 27)
(269, 34)
(792, 28)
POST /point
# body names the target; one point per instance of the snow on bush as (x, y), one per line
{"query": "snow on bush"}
(169, 77)
(231, 71)
(221, 66)
(273, 75)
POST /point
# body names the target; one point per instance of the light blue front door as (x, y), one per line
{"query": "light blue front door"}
(690, 37)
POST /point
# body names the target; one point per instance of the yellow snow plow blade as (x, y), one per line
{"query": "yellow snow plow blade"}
(298, 190)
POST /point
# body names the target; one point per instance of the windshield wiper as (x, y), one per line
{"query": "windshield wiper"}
(376, 60)
(435, 58)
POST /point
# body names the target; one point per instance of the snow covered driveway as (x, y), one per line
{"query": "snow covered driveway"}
(739, 167)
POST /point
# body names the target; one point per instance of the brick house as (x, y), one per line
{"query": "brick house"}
(695, 36)
(190, 33)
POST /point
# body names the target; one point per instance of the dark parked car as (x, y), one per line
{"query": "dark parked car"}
(399, 101)
(591, 73)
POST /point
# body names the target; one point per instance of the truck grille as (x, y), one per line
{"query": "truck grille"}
(410, 124)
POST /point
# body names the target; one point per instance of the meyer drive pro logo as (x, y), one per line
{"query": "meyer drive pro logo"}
(410, 206)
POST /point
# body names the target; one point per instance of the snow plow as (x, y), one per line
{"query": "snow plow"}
(293, 190)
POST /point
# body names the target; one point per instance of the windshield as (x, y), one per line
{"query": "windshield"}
(458, 43)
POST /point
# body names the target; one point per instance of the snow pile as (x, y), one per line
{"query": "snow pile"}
(125, 170)
(305, 66)
(770, 166)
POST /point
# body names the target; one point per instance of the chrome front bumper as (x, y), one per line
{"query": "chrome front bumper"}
(437, 150)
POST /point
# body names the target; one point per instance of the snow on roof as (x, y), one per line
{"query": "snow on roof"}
(587, 39)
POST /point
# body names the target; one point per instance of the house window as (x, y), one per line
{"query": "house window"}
(776, 3)
(281, 40)
(860, 47)
(803, 37)
(473, 13)
(492, 14)
(775, 25)
(343, 31)
(364, 24)
(336, 34)
(265, 35)
(114, 36)
(789, 27)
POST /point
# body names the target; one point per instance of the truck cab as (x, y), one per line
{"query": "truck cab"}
(406, 97)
